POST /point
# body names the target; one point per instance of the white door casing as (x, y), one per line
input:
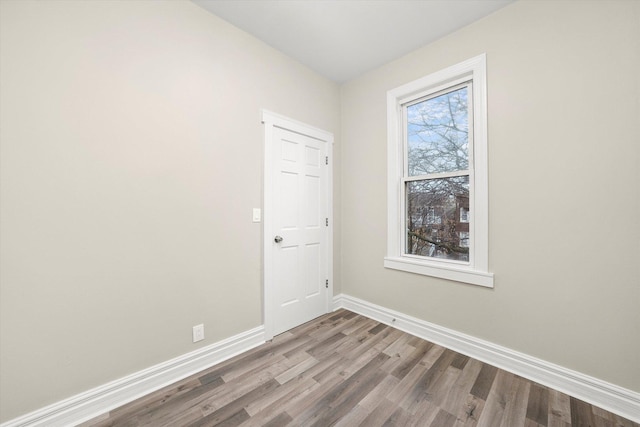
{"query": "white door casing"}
(297, 209)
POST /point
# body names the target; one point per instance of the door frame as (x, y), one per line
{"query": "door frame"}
(270, 121)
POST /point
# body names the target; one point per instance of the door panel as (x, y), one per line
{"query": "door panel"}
(300, 205)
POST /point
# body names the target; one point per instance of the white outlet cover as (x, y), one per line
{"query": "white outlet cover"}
(198, 333)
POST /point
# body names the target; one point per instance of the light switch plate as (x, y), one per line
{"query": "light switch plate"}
(257, 215)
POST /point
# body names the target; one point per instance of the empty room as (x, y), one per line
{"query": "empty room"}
(320, 212)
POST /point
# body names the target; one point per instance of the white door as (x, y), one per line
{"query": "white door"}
(297, 231)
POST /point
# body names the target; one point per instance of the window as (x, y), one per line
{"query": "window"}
(437, 175)
(464, 214)
(464, 239)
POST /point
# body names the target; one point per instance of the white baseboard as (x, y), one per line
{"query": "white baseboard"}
(610, 397)
(100, 400)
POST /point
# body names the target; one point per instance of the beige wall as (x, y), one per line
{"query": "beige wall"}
(131, 160)
(564, 196)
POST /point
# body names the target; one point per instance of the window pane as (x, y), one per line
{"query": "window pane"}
(438, 134)
(434, 225)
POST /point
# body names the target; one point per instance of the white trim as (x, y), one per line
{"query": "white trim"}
(100, 400)
(610, 397)
(271, 120)
(449, 271)
(267, 253)
(284, 122)
(477, 270)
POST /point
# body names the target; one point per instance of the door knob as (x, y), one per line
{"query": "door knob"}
(278, 239)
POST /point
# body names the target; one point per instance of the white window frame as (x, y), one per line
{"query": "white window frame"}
(476, 271)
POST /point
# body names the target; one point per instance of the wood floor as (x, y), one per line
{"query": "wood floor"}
(347, 370)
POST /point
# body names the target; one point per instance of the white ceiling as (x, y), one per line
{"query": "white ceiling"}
(342, 39)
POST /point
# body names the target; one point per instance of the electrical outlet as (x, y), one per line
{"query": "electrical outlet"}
(198, 333)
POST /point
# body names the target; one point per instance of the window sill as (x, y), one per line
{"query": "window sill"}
(449, 272)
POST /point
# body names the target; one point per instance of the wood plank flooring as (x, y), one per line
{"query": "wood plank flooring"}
(344, 369)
